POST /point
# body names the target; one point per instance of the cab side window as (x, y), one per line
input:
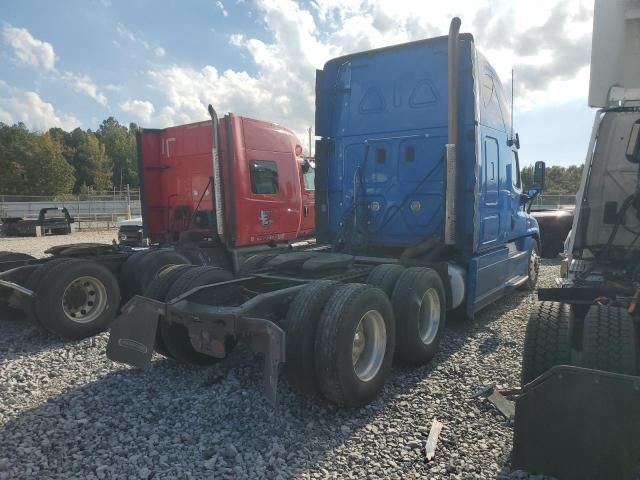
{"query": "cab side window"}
(517, 182)
(310, 179)
(264, 177)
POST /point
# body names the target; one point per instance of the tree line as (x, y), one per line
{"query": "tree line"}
(558, 180)
(58, 162)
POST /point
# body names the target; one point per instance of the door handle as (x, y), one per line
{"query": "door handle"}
(306, 211)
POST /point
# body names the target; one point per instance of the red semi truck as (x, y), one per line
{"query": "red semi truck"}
(222, 208)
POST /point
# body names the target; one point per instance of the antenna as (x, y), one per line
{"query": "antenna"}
(512, 104)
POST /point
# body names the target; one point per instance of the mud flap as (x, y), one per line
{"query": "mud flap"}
(267, 338)
(133, 333)
(577, 423)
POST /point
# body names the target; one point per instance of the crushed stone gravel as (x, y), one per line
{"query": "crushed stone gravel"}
(66, 411)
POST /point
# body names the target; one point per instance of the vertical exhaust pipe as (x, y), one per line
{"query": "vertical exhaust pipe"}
(217, 181)
(450, 147)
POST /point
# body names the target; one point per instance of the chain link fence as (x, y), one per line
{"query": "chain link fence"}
(93, 210)
(554, 202)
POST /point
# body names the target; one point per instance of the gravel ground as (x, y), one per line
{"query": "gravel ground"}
(66, 411)
(37, 245)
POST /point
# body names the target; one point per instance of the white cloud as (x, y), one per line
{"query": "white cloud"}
(127, 34)
(29, 50)
(141, 109)
(549, 41)
(84, 84)
(33, 111)
(220, 5)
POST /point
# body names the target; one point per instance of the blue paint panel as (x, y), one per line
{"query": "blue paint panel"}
(383, 116)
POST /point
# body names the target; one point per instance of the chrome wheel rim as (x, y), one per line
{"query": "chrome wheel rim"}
(369, 345)
(84, 299)
(429, 316)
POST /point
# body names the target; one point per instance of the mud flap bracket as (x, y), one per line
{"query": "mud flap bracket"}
(265, 337)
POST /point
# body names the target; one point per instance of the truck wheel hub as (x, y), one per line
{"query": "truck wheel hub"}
(369, 345)
(429, 316)
(84, 299)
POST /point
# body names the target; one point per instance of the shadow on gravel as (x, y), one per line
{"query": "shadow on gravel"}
(173, 421)
(19, 337)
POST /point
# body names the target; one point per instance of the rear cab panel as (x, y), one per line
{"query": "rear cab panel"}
(176, 166)
(383, 118)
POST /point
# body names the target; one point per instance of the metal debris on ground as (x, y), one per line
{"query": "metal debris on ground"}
(432, 439)
(497, 399)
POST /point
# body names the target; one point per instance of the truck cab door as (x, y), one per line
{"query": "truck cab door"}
(518, 216)
(265, 182)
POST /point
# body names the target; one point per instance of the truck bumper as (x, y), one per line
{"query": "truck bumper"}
(133, 333)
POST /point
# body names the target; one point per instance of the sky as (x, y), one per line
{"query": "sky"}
(73, 63)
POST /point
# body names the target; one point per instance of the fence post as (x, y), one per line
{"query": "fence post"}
(128, 203)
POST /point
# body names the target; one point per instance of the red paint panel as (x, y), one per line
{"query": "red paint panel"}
(177, 164)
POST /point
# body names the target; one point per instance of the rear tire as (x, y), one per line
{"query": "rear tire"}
(175, 336)
(609, 341)
(254, 262)
(419, 304)
(33, 283)
(77, 299)
(547, 340)
(158, 290)
(385, 277)
(354, 344)
(301, 325)
(152, 263)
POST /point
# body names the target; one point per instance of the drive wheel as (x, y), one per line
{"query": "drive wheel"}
(300, 325)
(420, 307)
(354, 344)
(77, 299)
(547, 341)
(533, 267)
(33, 282)
(385, 277)
(255, 262)
(152, 263)
(158, 290)
(175, 336)
(609, 340)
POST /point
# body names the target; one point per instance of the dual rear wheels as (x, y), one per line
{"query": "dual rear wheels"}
(604, 339)
(342, 338)
(172, 339)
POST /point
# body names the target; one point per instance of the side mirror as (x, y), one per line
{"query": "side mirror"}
(538, 176)
(514, 141)
(633, 147)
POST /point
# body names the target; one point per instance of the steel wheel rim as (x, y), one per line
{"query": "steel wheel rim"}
(84, 299)
(429, 316)
(369, 345)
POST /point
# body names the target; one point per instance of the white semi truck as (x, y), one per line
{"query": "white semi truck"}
(579, 414)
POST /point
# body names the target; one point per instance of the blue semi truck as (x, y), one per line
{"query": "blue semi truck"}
(420, 215)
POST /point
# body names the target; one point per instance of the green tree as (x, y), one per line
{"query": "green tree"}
(120, 147)
(89, 159)
(558, 180)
